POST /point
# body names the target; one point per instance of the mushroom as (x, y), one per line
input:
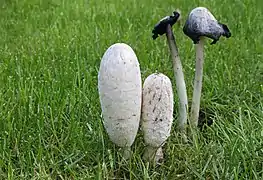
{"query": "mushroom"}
(165, 27)
(161, 27)
(120, 92)
(200, 24)
(157, 115)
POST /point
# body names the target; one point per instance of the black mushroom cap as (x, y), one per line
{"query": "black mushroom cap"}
(160, 27)
(201, 22)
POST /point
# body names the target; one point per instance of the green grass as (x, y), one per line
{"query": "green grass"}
(50, 122)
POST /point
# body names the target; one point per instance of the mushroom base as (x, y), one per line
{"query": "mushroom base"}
(153, 154)
(126, 152)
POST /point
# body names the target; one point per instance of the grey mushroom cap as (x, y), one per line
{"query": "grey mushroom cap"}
(201, 22)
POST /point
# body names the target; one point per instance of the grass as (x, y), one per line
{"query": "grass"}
(50, 116)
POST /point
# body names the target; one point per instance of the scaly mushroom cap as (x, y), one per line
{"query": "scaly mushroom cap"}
(201, 22)
(160, 27)
(120, 92)
(157, 109)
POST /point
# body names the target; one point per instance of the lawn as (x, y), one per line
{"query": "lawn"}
(50, 117)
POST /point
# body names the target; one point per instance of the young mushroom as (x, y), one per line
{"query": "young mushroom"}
(120, 92)
(200, 24)
(165, 27)
(157, 115)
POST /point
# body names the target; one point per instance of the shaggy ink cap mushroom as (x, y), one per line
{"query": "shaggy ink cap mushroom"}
(120, 94)
(201, 22)
(160, 27)
(165, 27)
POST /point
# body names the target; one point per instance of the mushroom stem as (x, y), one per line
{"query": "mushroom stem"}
(153, 154)
(179, 76)
(197, 83)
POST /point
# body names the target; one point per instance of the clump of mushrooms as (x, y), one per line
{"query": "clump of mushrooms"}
(200, 24)
(157, 115)
(120, 92)
(123, 101)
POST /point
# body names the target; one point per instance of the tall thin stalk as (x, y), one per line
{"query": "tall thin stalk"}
(197, 83)
(180, 82)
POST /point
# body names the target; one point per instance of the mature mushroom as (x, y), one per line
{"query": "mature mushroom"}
(201, 23)
(120, 92)
(157, 114)
(161, 27)
(165, 27)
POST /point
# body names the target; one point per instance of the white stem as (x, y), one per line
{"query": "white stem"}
(153, 154)
(180, 82)
(197, 82)
(127, 152)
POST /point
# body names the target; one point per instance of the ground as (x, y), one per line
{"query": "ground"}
(50, 117)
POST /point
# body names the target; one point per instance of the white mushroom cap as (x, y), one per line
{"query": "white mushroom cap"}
(120, 90)
(157, 109)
